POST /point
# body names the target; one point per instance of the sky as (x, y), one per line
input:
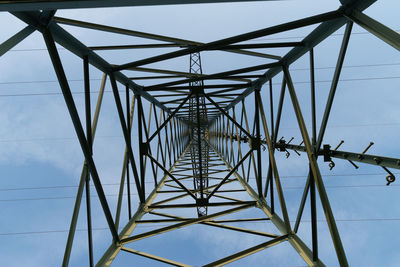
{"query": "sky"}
(41, 161)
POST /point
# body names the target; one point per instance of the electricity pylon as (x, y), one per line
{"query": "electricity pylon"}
(204, 143)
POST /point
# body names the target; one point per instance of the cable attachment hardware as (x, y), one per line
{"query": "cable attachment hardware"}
(263, 141)
(331, 165)
(287, 152)
(291, 139)
(327, 156)
(281, 146)
(365, 150)
(296, 150)
(328, 152)
(351, 162)
(390, 178)
(341, 142)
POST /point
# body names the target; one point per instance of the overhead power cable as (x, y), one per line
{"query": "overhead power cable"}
(260, 39)
(294, 69)
(163, 225)
(300, 82)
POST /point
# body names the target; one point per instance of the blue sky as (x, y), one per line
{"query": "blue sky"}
(39, 148)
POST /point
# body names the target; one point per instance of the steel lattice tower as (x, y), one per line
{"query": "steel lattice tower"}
(203, 142)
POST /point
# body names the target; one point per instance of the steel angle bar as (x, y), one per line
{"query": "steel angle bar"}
(230, 86)
(219, 75)
(114, 248)
(169, 118)
(51, 47)
(235, 39)
(247, 252)
(233, 88)
(268, 181)
(94, 26)
(15, 39)
(25, 5)
(153, 257)
(335, 81)
(178, 73)
(69, 42)
(341, 255)
(122, 47)
(219, 225)
(155, 77)
(172, 176)
(273, 163)
(320, 33)
(252, 160)
(170, 199)
(129, 126)
(227, 115)
(131, 157)
(228, 198)
(161, 220)
(313, 204)
(124, 170)
(74, 220)
(258, 139)
(142, 153)
(192, 205)
(240, 220)
(184, 224)
(232, 170)
(239, 155)
(172, 40)
(264, 45)
(294, 240)
(90, 145)
(328, 107)
(381, 31)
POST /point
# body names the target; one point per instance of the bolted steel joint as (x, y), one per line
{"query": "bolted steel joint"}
(281, 145)
(197, 90)
(255, 143)
(202, 202)
(144, 147)
(327, 153)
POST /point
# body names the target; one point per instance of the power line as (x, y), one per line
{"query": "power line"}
(261, 39)
(120, 136)
(163, 225)
(57, 138)
(300, 82)
(295, 69)
(301, 37)
(134, 194)
(111, 184)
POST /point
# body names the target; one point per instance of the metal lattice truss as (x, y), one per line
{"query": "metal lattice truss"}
(204, 139)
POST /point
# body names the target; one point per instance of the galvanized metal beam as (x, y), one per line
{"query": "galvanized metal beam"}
(109, 256)
(50, 44)
(235, 39)
(15, 39)
(27, 5)
(154, 257)
(376, 28)
(294, 240)
(78, 199)
(69, 42)
(320, 33)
